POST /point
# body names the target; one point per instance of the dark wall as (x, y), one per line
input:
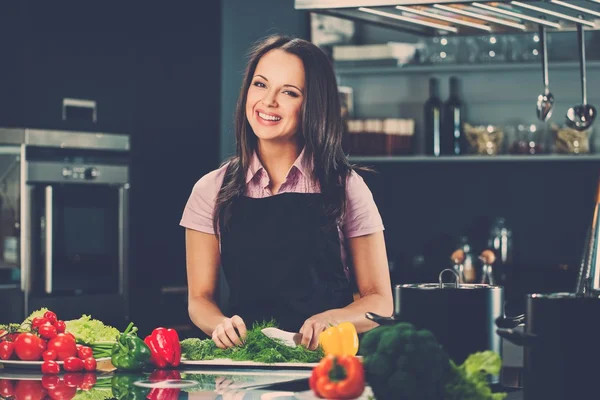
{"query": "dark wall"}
(244, 22)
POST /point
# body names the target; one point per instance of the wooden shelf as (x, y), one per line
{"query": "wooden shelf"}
(450, 68)
(478, 158)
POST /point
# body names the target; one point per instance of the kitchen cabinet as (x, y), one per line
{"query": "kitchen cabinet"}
(66, 66)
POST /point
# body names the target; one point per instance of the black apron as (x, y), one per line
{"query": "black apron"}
(281, 258)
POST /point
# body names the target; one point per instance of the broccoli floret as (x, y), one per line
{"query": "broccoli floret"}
(402, 362)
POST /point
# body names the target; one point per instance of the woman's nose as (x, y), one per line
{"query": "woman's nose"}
(270, 99)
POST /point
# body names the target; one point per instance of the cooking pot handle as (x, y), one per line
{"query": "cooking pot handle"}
(380, 319)
(510, 323)
(517, 337)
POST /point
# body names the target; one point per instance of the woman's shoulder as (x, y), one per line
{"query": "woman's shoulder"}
(355, 184)
(212, 181)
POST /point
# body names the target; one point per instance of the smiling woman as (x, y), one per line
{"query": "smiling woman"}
(288, 218)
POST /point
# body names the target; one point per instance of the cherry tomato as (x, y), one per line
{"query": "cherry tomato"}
(50, 367)
(73, 364)
(47, 331)
(38, 321)
(29, 347)
(50, 381)
(73, 379)
(7, 388)
(89, 364)
(49, 355)
(60, 326)
(89, 380)
(6, 350)
(70, 334)
(50, 316)
(62, 392)
(85, 352)
(29, 390)
(64, 345)
(78, 346)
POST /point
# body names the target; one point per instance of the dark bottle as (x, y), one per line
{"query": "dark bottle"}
(432, 122)
(453, 119)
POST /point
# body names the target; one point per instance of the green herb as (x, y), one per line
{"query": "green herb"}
(88, 330)
(94, 394)
(469, 380)
(257, 347)
(208, 382)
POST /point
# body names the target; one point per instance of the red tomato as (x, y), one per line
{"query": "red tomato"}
(85, 352)
(62, 392)
(50, 316)
(50, 381)
(73, 364)
(70, 334)
(6, 350)
(29, 390)
(64, 345)
(89, 364)
(49, 355)
(47, 331)
(50, 367)
(78, 346)
(7, 388)
(39, 321)
(73, 379)
(29, 347)
(60, 326)
(89, 380)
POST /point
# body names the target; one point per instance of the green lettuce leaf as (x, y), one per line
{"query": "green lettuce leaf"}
(486, 362)
(89, 331)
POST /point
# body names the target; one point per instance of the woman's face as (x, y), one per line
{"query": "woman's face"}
(275, 96)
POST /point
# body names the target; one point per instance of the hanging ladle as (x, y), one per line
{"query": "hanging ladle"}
(545, 102)
(581, 117)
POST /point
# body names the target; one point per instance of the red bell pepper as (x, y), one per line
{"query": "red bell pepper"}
(338, 377)
(164, 347)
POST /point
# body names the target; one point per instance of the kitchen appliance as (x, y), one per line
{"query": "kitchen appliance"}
(561, 331)
(461, 316)
(65, 198)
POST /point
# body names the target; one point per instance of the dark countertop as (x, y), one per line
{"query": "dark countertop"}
(205, 384)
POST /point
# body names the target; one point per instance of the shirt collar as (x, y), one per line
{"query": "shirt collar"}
(302, 164)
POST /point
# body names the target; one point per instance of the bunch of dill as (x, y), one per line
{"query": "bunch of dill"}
(257, 347)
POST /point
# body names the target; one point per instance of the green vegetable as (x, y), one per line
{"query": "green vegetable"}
(469, 381)
(257, 347)
(130, 353)
(88, 331)
(124, 389)
(208, 382)
(26, 325)
(94, 394)
(402, 362)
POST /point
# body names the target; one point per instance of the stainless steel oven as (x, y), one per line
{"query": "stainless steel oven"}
(73, 225)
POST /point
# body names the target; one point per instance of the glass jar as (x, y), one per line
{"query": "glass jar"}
(571, 141)
(484, 139)
(527, 139)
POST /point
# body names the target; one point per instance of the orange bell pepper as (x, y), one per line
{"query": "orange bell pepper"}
(336, 377)
(340, 340)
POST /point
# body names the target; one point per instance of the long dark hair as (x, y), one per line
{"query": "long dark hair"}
(321, 128)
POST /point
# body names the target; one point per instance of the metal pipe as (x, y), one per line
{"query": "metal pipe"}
(517, 15)
(467, 13)
(407, 19)
(457, 21)
(576, 8)
(49, 238)
(553, 13)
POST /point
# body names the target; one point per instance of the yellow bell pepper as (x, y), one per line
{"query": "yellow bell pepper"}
(340, 340)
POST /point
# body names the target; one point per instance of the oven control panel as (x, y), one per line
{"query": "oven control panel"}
(87, 173)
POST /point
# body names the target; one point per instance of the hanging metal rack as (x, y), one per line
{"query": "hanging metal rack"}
(460, 17)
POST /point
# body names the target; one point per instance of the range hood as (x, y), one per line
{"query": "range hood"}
(461, 17)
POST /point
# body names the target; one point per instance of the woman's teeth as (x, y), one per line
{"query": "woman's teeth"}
(268, 117)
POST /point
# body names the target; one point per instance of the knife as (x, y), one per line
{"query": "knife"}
(290, 339)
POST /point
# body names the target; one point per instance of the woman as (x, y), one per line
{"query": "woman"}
(287, 218)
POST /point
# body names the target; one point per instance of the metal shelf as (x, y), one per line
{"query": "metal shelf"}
(478, 158)
(462, 17)
(423, 69)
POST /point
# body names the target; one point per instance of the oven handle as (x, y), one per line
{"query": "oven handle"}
(49, 237)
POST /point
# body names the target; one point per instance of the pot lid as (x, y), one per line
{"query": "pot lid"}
(448, 285)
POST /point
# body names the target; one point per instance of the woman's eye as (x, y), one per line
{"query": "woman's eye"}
(290, 93)
(259, 84)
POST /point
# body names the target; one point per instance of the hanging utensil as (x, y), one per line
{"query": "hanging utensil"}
(545, 102)
(581, 117)
(589, 272)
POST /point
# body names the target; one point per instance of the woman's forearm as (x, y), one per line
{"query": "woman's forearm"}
(205, 314)
(355, 312)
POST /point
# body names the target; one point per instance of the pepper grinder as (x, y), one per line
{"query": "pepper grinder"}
(487, 257)
(458, 258)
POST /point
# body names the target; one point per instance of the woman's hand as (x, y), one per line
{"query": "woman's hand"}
(312, 327)
(230, 332)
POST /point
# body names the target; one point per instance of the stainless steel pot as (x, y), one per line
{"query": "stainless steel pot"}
(461, 316)
(561, 343)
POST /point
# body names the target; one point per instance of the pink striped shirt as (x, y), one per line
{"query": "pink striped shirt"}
(362, 215)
